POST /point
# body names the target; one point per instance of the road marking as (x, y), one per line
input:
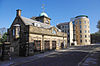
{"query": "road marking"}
(79, 64)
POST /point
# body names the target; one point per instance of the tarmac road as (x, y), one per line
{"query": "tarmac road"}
(67, 58)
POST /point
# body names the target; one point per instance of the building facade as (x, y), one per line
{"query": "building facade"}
(78, 30)
(29, 35)
(82, 30)
(67, 27)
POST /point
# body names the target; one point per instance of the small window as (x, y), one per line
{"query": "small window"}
(80, 26)
(62, 26)
(68, 41)
(76, 22)
(33, 24)
(54, 32)
(80, 36)
(79, 22)
(85, 26)
(13, 32)
(65, 31)
(62, 30)
(85, 36)
(81, 41)
(68, 36)
(85, 31)
(68, 31)
(80, 31)
(18, 31)
(84, 22)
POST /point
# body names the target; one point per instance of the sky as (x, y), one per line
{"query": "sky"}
(58, 10)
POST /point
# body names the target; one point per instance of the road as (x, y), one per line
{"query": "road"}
(71, 58)
(62, 58)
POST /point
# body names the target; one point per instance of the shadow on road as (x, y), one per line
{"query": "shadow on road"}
(68, 58)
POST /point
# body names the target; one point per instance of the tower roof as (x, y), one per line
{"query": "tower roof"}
(43, 14)
(81, 16)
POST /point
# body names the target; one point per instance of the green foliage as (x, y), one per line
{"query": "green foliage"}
(95, 37)
(98, 25)
(4, 38)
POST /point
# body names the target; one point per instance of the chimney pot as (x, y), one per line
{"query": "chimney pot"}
(18, 12)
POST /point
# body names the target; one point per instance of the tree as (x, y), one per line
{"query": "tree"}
(4, 37)
(95, 37)
(98, 25)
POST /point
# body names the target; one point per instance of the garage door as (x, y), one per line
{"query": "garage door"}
(47, 45)
(53, 44)
(37, 45)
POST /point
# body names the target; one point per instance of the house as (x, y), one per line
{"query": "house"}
(29, 35)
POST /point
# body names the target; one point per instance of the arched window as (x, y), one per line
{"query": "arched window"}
(16, 30)
(54, 32)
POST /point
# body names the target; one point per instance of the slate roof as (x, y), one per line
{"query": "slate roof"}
(65, 23)
(28, 21)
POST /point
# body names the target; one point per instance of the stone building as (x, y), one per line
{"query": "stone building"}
(78, 30)
(29, 35)
(82, 30)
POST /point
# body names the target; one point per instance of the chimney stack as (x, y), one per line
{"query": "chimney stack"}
(18, 12)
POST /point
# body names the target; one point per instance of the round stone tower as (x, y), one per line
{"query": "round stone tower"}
(82, 30)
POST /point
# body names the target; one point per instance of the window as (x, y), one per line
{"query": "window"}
(76, 22)
(65, 31)
(85, 26)
(13, 32)
(84, 22)
(33, 24)
(85, 36)
(81, 41)
(85, 31)
(80, 36)
(18, 31)
(80, 31)
(68, 31)
(85, 40)
(65, 26)
(40, 20)
(68, 36)
(62, 30)
(80, 26)
(62, 26)
(54, 32)
(68, 41)
(79, 22)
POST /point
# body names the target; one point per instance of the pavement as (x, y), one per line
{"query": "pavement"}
(19, 60)
(90, 59)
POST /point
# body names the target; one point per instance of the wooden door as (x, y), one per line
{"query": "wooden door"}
(53, 44)
(47, 45)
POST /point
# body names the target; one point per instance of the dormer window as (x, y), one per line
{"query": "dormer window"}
(16, 31)
(13, 32)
